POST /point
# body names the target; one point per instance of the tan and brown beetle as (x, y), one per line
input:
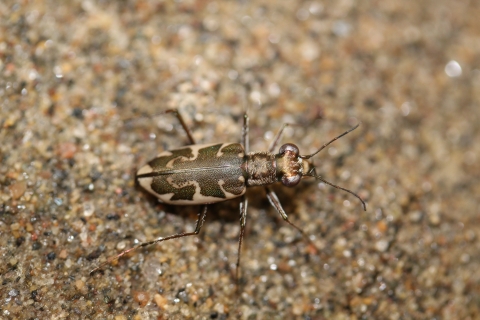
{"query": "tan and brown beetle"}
(210, 173)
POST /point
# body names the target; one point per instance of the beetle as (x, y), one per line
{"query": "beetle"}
(202, 174)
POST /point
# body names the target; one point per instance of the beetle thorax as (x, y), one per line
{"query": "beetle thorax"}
(260, 168)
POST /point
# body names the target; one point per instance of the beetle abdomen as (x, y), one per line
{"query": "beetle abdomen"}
(196, 174)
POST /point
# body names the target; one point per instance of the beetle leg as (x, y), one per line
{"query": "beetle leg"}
(273, 199)
(243, 219)
(198, 226)
(278, 136)
(245, 139)
(182, 122)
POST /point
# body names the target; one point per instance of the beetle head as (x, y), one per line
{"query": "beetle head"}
(291, 166)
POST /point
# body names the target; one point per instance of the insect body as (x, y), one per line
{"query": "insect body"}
(205, 174)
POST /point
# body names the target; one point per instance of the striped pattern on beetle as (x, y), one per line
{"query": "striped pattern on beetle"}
(209, 173)
(196, 174)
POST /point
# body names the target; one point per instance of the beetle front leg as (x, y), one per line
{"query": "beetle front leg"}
(184, 125)
(198, 226)
(273, 199)
(278, 136)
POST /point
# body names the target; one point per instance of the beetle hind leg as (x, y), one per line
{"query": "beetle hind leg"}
(184, 125)
(200, 220)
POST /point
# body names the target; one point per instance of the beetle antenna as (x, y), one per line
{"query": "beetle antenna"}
(338, 187)
(326, 144)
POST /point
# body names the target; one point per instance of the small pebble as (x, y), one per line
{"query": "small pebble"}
(381, 245)
(142, 297)
(17, 189)
(13, 293)
(161, 301)
(79, 284)
(88, 208)
(63, 254)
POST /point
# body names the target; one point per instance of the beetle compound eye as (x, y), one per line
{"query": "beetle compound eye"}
(289, 147)
(291, 181)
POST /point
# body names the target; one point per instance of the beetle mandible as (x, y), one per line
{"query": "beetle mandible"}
(202, 174)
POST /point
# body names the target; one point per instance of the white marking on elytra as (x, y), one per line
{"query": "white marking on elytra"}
(146, 183)
(183, 184)
(195, 152)
(229, 195)
(165, 153)
(200, 198)
(170, 163)
(197, 196)
(220, 153)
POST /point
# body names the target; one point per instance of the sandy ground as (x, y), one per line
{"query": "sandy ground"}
(83, 85)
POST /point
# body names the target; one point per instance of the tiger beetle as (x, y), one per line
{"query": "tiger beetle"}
(202, 174)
